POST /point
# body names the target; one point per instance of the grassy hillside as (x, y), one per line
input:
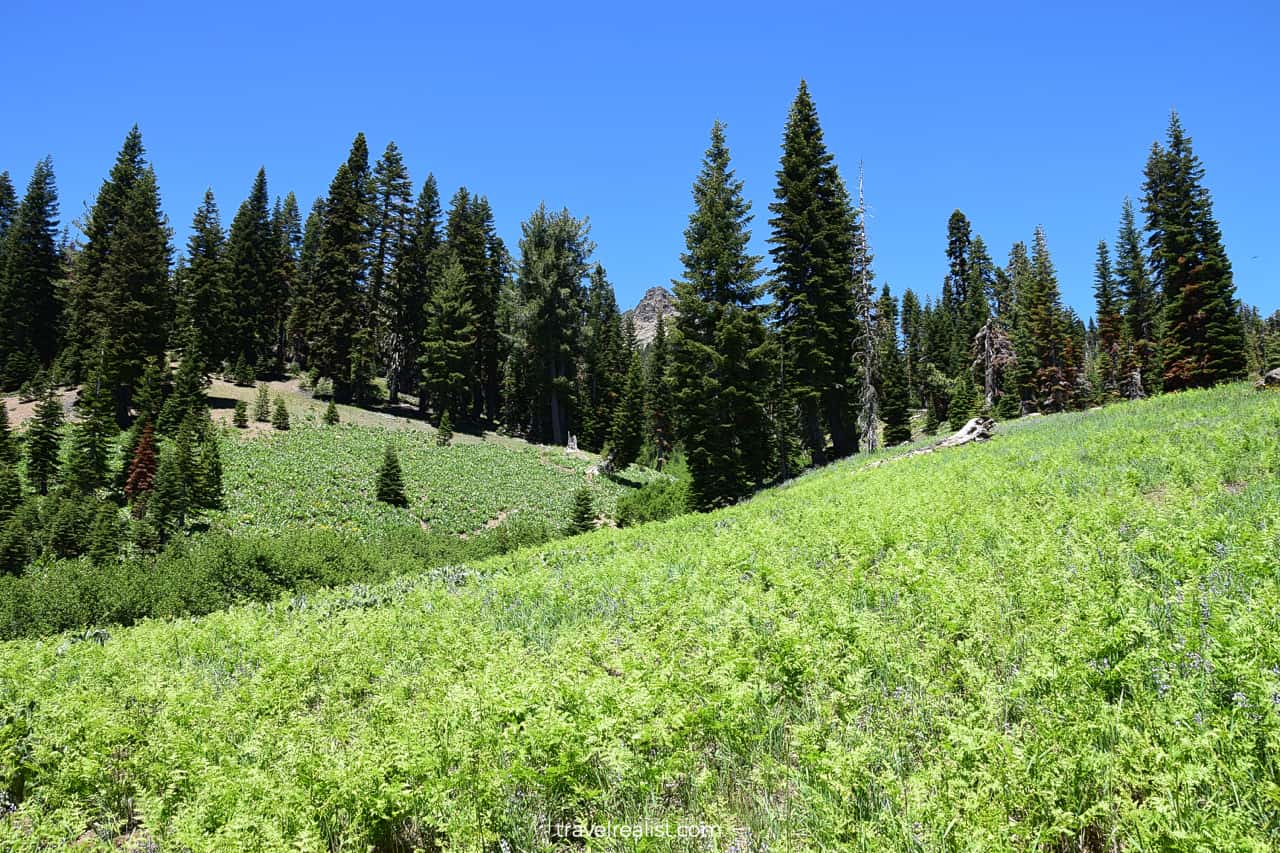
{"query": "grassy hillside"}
(1065, 639)
(325, 477)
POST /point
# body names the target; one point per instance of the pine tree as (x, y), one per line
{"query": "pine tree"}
(30, 313)
(448, 344)
(444, 432)
(188, 396)
(118, 302)
(964, 402)
(1054, 379)
(8, 444)
(169, 502)
(554, 253)
(86, 467)
(720, 368)
(1203, 337)
(253, 257)
(280, 415)
(241, 415)
(391, 230)
(1142, 308)
(103, 543)
(658, 404)
(302, 310)
(206, 489)
(604, 362)
(286, 225)
(331, 414)
(813, 251)
(390, 480)
(338, 291)
(1110, 324)
(205, 302)
(583, 517)
(412, 281)
(894, 409)
(8, 208)
(913, 335)
(627, 435)
(44, 440)
(262, 404)
(10, 492)
(142, 472)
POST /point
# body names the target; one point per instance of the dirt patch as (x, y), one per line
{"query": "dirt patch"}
(1235, 488)
(20, 413)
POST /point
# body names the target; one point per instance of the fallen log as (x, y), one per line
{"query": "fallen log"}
(1270, 380)
(977, 429)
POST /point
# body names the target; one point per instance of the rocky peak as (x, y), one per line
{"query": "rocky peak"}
(656, 302)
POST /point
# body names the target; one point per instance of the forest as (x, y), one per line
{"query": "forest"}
(369, 413)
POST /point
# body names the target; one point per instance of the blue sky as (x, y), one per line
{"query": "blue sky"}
(1016, 113)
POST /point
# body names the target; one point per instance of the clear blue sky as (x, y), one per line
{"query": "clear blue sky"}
(1017, 113)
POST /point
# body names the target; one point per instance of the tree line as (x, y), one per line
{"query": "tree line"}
(386, 297)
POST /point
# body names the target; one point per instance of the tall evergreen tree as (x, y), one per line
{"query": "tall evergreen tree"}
(32, 266)
(554, 255)
(416, 269)
(628, 428)
(1046, 323)
(1110, 323)
(448, 342)
(205, 298)
(1203, 337)
(338, 297)
(604, 362)
(44, 440)
(8, 207)
(1142, 308)
(87, 462)
(719, 368)
(658, 403)
(302, 311)
(391, 230)
(253, 257)
(813, 252)
(913, 339)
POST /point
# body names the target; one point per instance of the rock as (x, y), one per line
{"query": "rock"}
(1269, 380)
(656, 302)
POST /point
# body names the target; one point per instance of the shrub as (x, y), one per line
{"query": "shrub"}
(660, 499)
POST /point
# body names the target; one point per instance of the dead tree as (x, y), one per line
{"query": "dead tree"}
(869, 415)
(993, 354)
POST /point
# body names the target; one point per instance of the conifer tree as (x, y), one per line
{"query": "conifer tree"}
(627, 435)
(411, 283)
(583, 517)
(338, 304)
(719, 369)
(169, 502)
(142, 471)
(86, 467)
(30, 312)
(894, 409)
(331, 414)
(1203, 336)
(1142, 308)
(302, 312)
(554, 249)
(10, 492)
(444, 432)
(253, 256)
(188, 396)
(207, 483)
(205, 299)
(262, 404)
(119, 299)
(964, 402)
(286, 225)
(1054, 379)
(813, 251)
(390, 480)
(913, 335)
(240, 417)
(8, 443)
(1110, 324)
(103, 542)
(8, 208)
(280, 415)
(604, 362)
(391, 226)
(44, 439)
(658, 403)
(448, 345)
